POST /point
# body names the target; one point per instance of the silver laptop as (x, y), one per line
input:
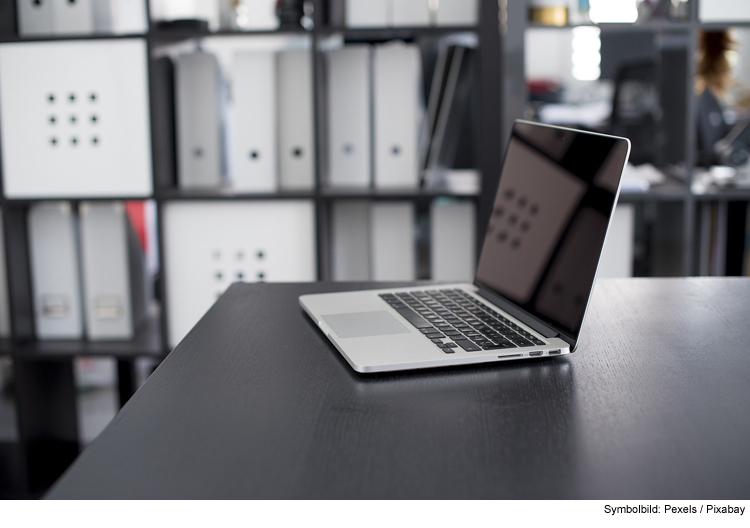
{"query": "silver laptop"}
(555, 199)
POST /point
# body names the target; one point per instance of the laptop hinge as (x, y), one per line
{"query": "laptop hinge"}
(534, 323)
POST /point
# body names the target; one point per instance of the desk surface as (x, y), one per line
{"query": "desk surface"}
(256, 403)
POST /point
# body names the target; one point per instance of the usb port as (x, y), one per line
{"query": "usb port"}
(555, 352)
(537, 353)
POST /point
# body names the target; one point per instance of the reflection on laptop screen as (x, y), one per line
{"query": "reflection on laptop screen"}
(556, 195)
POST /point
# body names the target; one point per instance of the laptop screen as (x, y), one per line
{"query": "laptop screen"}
(556, 194)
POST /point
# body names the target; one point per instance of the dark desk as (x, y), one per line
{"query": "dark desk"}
(255, 403)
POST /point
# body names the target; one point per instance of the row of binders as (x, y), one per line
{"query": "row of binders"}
(401, 13)
(80, 17)
(88, 271)
(378, 240)
(267, 114)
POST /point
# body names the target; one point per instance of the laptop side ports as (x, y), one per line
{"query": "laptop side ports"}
(555, 352)
(535, 353)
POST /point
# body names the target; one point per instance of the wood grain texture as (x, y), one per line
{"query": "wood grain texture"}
(256, 403)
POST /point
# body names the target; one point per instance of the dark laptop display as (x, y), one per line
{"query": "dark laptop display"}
(549, 220)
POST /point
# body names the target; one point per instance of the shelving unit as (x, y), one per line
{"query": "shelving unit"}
(44, 382)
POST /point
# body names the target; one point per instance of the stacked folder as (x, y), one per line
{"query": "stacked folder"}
(81, 17)
(88, 271)
(396, 13)
(250, 128)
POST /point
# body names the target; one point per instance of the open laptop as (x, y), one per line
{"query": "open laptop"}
(557, 193)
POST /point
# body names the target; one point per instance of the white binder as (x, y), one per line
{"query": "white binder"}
(349, 120)
(453, 241)
(74, 117)
(397, 115)
(120, 16)
(261, 14)
(617, 256)
(199, 124)
(4, 300)
(393, 247)
(296, 144)
(724, 11)
(209, 245)
(254, 150)
(72, 18)
(368, 13)
(411, 12)
(55, 272)
(35, 18)
(350, 234)
(457, 13)
(113, 271)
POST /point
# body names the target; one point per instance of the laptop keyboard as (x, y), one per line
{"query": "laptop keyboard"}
(453, 319)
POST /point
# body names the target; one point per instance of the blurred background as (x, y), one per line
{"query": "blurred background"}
(153, 152)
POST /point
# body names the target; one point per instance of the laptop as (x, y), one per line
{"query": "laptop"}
(537, 267)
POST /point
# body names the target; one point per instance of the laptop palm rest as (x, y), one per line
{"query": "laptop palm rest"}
(364, 324)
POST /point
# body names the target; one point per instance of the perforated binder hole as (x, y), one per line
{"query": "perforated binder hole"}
(36, 3)
(72, 98)
(297, 152)
(524, 226)
(260, 255)
(52, 120)
(94, 140)
(240, 255)
(254, 154)
(240, 275)
(94, 119)
(219, 275)
(198, 152)
(533, 209)
(261, 275)
(522, 202)
(499, 212)
(348, 148)
(71, 1)
(74, 141)
(92, 97)
(515, 243)
(509, 194)
(53, 141)
(512, 219)
(51, 97)
(396, 150)
(73, 120)
(502, 236)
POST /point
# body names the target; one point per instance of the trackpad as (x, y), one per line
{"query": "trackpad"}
(364, 324)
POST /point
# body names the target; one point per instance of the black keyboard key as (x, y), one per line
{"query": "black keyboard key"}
(467, 345)
(413, 317)
(449, 351)
(450, 345)
(522, 342)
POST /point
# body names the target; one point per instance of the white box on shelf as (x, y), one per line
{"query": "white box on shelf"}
(349, 96)
(296, 144)
(411, 12)
(254, 153)
(209, 245)
(453, 241)
(198, 106)
(113, 265)
(368, 13)
(74, 118)
(120, 17)
(724, 11)
(55, 271)
(393, 246)
(4, 299)
(72, 18)
(350, 240)
(617, 256)
(35, 18)
(397, 115)
(260, 14)
(457, 13)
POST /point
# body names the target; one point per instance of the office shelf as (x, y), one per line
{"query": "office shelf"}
(5, 39)
(147, 343)
(230, 194)
(171, 36)
(392, 194)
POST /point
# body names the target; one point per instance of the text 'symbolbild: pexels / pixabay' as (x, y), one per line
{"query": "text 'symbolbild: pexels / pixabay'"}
(673, 509)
